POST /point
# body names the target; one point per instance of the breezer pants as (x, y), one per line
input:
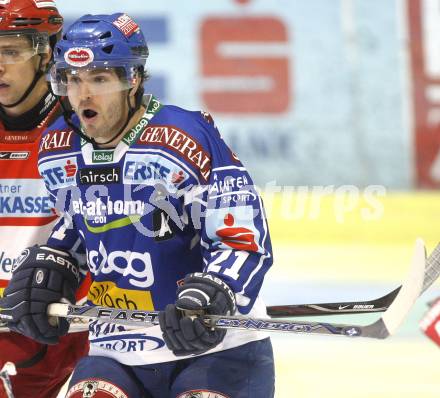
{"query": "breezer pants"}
(242, 372)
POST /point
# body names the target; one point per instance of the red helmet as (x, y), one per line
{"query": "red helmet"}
(30, 16)
(37, 20)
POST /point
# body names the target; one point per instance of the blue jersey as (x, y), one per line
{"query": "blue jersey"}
(169, 200)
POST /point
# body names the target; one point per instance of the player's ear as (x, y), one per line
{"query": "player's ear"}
(133, 93)
(136, 85)
(45, 59)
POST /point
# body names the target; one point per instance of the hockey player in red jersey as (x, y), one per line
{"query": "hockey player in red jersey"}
(28, 31)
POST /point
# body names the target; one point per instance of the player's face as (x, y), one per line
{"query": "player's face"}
(100, 101)
(18, 65)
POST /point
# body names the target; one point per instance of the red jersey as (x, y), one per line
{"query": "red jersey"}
(26, 215)
(26, 218)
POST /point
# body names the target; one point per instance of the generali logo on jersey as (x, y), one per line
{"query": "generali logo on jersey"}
(79, 56)
(56, 140)
(182, 143)
(17, 138)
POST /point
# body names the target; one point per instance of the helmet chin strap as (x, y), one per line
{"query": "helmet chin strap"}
(37, 77)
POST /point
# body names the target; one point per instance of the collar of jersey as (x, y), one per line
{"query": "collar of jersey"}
(114, 155)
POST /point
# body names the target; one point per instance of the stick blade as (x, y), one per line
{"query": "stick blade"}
(411, 289)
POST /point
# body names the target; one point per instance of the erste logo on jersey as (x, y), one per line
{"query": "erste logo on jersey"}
(147, 169)
(180, 142)
(79, 56)
(56, 140)
(59, 173)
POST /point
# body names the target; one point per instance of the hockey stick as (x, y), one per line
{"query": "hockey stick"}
(380, 329)
(7, 370)
(80, 323)
(347, 307)
(357, 307)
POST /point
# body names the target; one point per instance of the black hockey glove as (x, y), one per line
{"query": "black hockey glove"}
(201, 293)
(41, 276)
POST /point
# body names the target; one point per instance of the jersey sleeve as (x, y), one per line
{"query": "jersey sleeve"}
(64, 235)
(228, 213)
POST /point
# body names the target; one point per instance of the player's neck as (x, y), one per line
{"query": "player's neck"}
(30, 101)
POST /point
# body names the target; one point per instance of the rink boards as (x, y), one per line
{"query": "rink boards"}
(319, 259)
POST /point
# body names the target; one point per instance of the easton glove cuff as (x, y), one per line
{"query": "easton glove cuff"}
(41, 276)
(49, 258)
(200, 292)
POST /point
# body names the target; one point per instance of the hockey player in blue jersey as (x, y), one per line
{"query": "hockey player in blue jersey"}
(164, 216)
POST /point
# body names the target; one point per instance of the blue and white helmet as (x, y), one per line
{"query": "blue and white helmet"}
(99, 42)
